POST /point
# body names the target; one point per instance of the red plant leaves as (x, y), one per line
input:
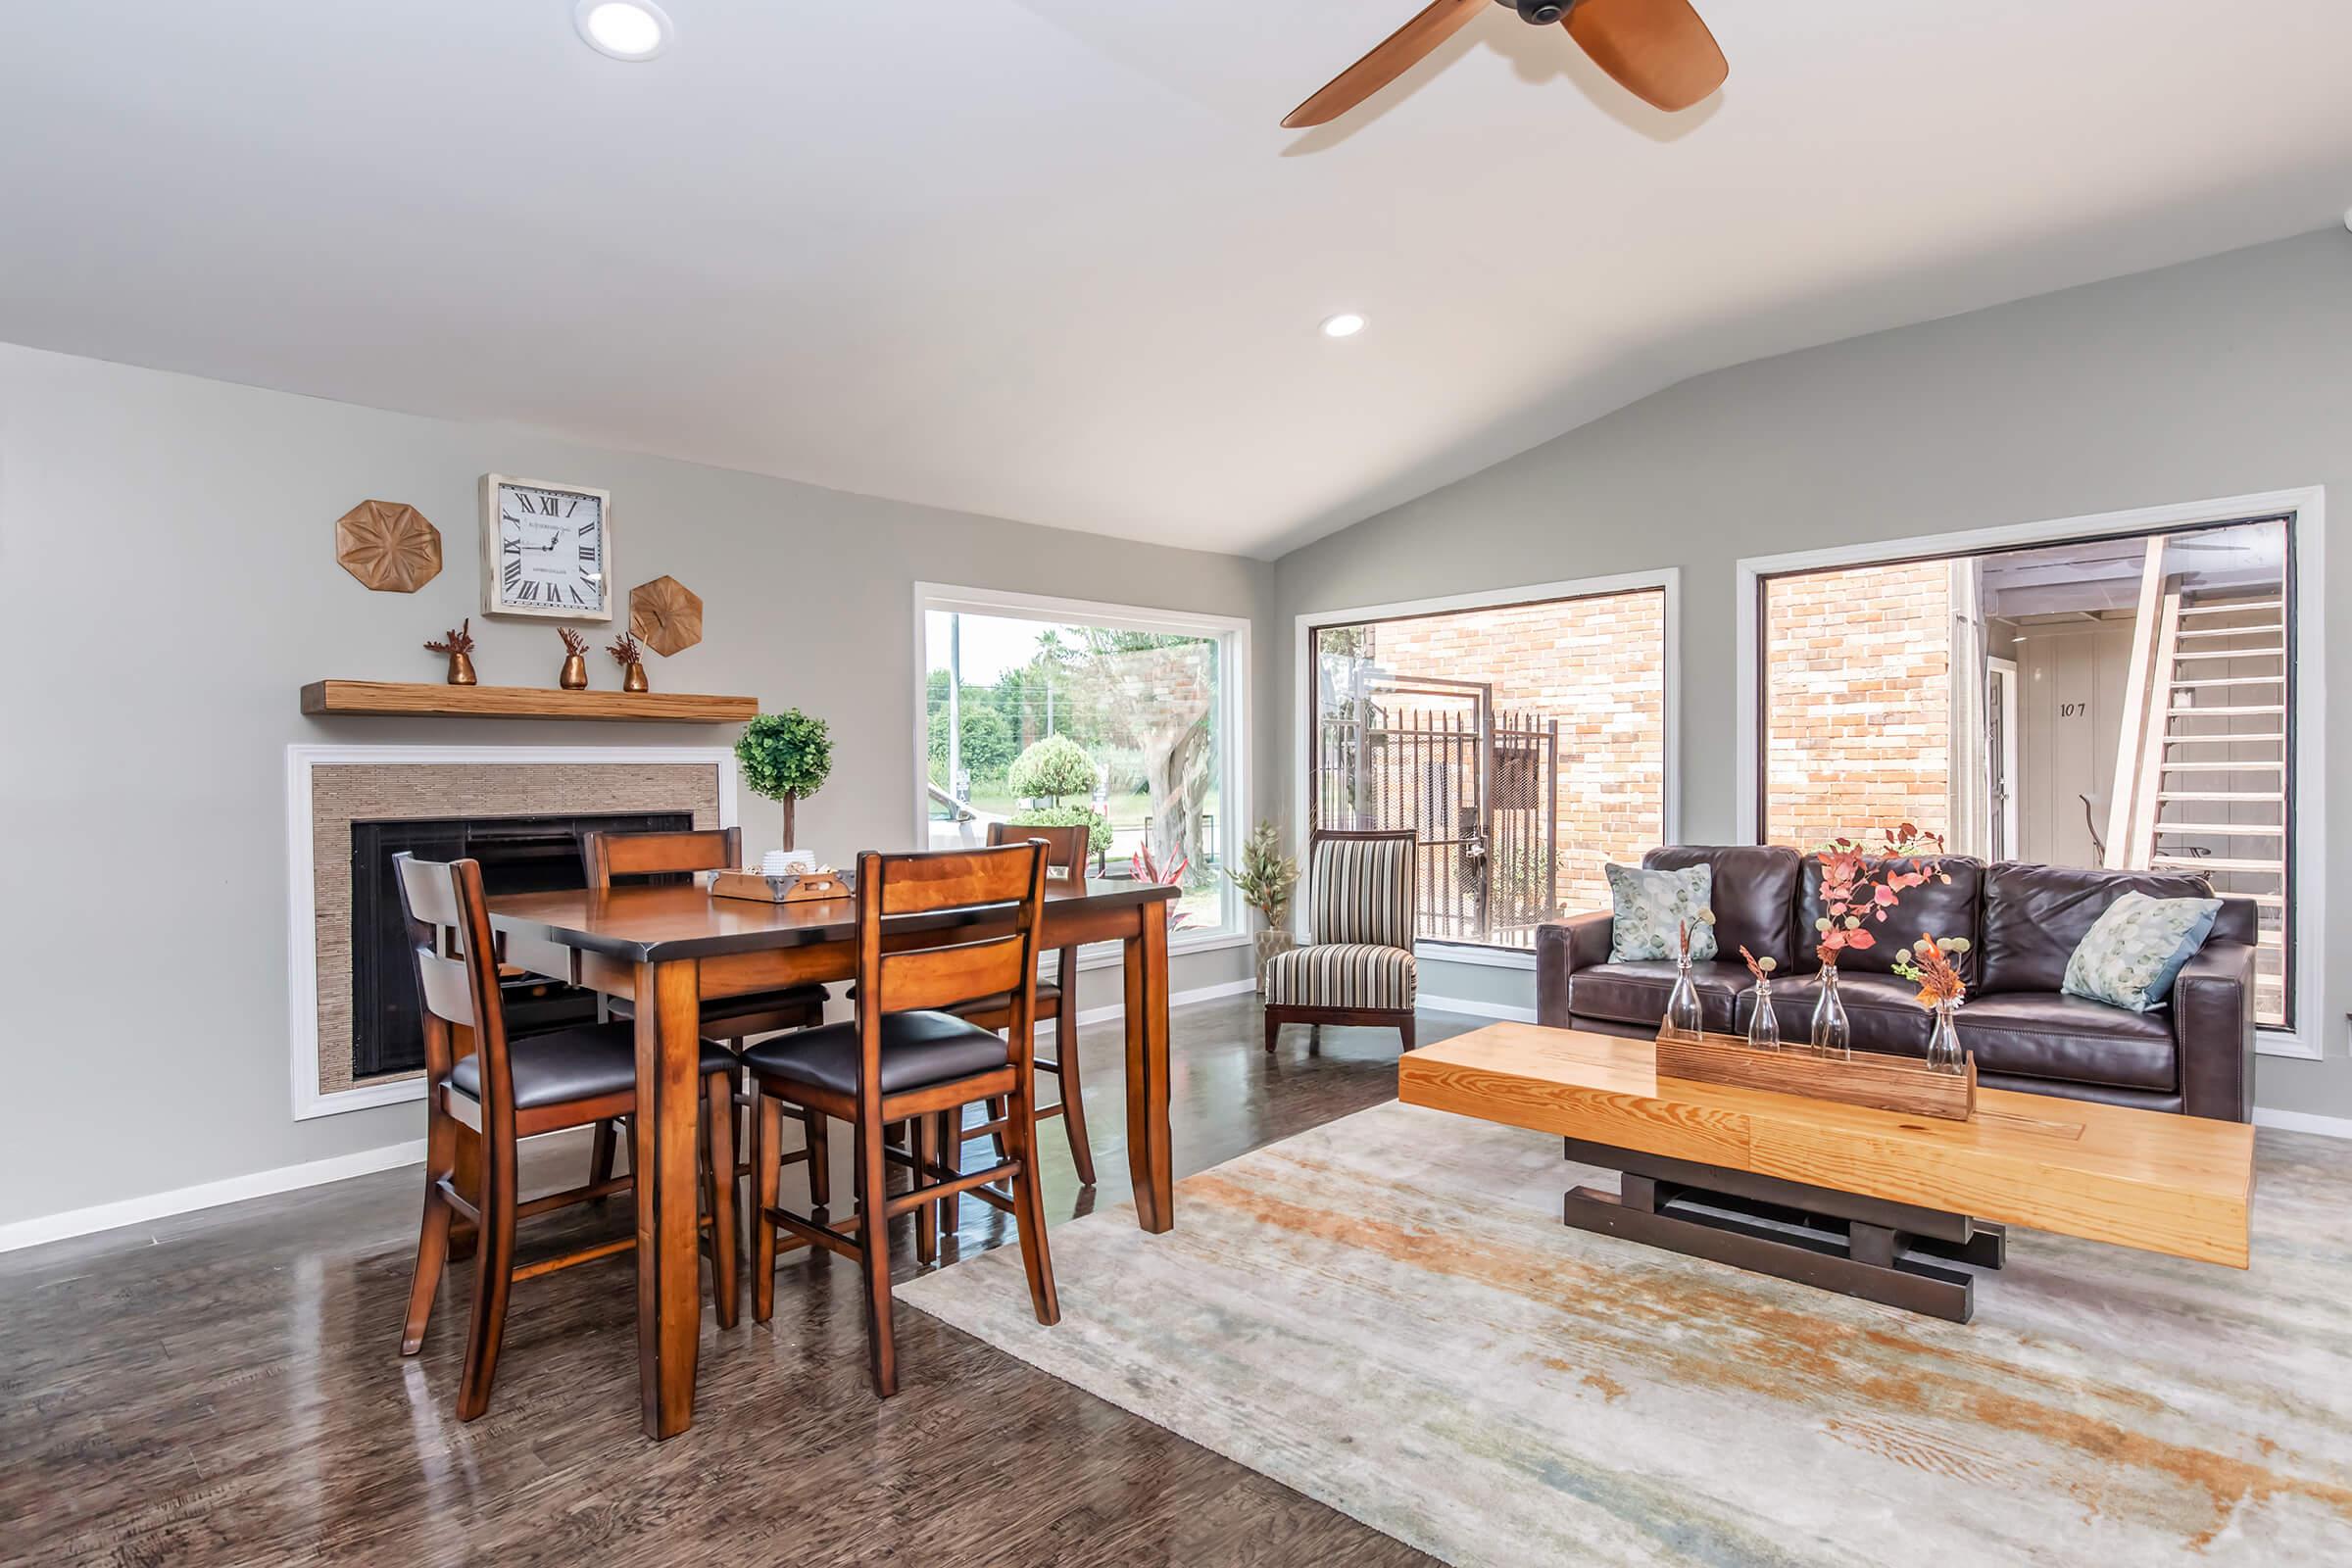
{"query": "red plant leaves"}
(1859, 885)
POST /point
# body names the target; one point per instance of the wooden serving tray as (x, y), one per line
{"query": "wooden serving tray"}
(1872, 1078)
(797, 888)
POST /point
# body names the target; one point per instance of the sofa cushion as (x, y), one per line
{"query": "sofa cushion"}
(1881, 1012)
(2137, 949)
(1649, 908)
(2035, 916)
(1753, 894)
(2050, 1035)
(1935, 907)
(1637, 993)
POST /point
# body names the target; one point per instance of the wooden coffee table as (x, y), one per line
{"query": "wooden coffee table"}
(1867, 1203)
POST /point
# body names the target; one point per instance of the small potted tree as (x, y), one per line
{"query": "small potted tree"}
(1265, 878)
(786, 757)
(1052, 768)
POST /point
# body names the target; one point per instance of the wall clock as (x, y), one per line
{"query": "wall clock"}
(547, 550)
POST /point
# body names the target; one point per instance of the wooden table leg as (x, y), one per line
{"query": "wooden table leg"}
(666, 1130)
(1146, 1006)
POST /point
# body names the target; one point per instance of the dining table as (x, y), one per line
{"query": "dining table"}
(666, 950)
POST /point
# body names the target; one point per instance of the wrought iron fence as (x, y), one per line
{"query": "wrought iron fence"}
(1481, 788)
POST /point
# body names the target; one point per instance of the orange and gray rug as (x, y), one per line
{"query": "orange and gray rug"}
(1386, 1314)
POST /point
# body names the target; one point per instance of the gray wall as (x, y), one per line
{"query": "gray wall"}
(167, 564)
(2220, 377)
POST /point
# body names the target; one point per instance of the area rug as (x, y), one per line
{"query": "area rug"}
(1386, 1314)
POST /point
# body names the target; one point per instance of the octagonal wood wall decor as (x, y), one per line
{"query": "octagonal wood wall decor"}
(666, 616)
(389, 546)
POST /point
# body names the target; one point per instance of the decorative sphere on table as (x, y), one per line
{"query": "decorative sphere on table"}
(785, 758)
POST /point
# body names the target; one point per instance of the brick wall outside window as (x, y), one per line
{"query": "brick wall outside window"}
(1858, 716)
(1597, 665)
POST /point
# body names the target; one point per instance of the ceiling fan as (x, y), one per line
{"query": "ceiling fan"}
(1658, 50)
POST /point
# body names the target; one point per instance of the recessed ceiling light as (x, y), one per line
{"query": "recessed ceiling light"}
(625, 29)
(1344, 325)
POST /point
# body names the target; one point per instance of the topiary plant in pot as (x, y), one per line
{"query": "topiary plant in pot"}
(786, 757)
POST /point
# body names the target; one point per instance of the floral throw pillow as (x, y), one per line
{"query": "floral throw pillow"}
(1647, 909)
(2131, 956)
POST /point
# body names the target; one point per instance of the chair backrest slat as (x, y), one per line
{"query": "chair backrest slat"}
(428, 894)
(447, 989)
(1066, 848)
(605, 856)
(942, 977)
(952, 879)
(1361, 888)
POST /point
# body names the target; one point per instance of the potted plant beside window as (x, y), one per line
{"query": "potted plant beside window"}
(1265, 878)
(786, 757)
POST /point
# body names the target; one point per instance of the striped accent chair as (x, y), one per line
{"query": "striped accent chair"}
(1357, 964)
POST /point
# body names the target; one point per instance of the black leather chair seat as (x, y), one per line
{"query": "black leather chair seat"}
(1881, 1012)
(1636, 992)
(918, 1049)
(583, 1063)
(2047, 1034)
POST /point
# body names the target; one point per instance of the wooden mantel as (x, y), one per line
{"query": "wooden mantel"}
(418, 699)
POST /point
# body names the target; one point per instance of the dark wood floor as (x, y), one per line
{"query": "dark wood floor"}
(226, 1388)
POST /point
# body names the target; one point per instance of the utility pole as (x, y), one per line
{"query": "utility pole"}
(956, 706)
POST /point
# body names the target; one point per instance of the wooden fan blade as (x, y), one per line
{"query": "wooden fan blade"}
(1658, 50)
(1395, 53)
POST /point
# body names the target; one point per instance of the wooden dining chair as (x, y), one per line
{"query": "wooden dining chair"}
(637, 858)
(1058, 999)
(904, 1059)
(485, 1093)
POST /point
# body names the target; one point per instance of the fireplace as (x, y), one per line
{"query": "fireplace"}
(517, 854)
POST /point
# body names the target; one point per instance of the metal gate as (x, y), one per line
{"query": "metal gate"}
(1479, 787)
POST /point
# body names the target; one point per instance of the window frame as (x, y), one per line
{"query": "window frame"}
(1232, 635)
(1667, 580)
(2305, 513)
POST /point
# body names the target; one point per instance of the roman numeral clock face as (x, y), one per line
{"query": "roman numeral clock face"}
(546, 550)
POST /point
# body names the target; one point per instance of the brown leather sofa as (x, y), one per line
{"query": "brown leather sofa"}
(2194, 1056)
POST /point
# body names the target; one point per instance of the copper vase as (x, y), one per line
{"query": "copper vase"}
(575, 675)
(461, 669)
(632, 679)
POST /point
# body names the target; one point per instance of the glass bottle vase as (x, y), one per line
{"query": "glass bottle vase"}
(1831, 1035)
(1764, 1024)
(1943, 1045)
(1684, 1020)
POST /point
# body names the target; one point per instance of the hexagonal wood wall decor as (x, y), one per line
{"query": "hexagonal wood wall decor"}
(389, 546)
(666, 616)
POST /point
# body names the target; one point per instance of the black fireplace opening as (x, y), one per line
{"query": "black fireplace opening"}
(517, 854)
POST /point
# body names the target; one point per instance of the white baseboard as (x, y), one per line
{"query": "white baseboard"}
(1478, 1009)
(2297, 1121)
(367, 1163)
(207, 1195)
(1178, 999)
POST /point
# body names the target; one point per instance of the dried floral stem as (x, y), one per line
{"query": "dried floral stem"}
(625, 650)
(459, 641)
(1928, 964)
(1860, 887)
(573, 642)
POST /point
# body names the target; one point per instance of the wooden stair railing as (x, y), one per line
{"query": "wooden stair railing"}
(2188, 793)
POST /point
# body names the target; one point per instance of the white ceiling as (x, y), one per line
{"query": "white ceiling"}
(1054, 260)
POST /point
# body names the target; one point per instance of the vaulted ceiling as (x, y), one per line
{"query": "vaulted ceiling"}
(1055, 260)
